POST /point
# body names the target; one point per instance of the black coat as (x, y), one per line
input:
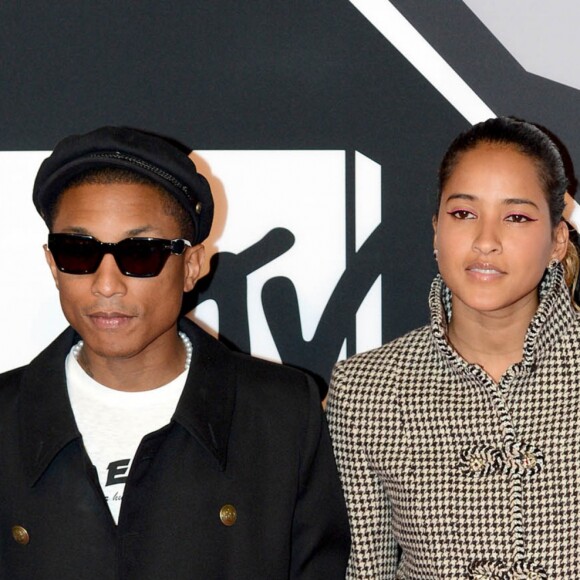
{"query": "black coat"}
(245, 432)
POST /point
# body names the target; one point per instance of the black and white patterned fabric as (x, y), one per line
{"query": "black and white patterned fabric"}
(448, 474)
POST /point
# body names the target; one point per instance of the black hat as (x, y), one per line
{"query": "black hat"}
(161, 159)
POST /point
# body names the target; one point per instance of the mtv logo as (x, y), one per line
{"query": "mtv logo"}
(285, 241)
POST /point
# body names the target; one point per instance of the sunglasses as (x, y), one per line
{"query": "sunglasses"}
(138, 257)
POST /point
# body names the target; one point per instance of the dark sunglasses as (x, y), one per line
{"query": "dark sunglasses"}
(138, 257)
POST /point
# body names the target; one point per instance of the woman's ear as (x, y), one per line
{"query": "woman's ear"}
(434, 224)
(560, 243)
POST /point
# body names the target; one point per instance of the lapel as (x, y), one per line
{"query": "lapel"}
(207, 404)
(46, 420)
(205, 409)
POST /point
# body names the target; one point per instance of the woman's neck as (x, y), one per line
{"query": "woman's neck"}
(494, 341)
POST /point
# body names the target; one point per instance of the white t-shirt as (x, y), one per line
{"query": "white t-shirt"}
(113, 423)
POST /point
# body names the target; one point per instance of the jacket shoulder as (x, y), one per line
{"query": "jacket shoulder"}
(276, 382)
(382, 377)
(11, 379)
(386, 360)
(10, 382)
(257, 377)
(11, 376)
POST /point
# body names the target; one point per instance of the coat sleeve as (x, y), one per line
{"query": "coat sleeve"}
(374, 553)
(320, 530)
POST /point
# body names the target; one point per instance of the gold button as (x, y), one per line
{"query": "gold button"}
(476, 464)
(20, 535)
(228, 515)
(198, 207)
(530, 460)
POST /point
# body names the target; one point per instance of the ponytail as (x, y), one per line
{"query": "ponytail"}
(571, 264)
(571, 261)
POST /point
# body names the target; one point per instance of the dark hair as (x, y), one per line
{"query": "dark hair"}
(109, 175)
(526, 138)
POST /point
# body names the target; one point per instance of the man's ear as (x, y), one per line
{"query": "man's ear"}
(560, 244)
(194, 259)
(51, 264)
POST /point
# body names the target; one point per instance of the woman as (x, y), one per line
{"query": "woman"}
(459, 443)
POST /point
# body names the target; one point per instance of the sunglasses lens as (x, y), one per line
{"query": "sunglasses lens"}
(142, 257)
(139, 257)
(74, 254)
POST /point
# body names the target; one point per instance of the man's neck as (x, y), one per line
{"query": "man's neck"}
(142, 372)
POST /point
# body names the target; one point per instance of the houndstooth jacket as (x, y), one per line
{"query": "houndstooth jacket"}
(450, 475)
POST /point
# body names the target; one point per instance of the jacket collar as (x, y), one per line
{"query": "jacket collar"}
(205, 409)
(46, 420)
(206, 406)
(552, 320)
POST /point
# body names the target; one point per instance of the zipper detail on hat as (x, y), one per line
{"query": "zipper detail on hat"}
(145, 165)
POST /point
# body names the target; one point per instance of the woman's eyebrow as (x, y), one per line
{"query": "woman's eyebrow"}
(519, 201)
(466, 196)
(506, 201)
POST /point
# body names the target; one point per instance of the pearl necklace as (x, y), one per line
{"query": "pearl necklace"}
(76, 349)
(188, 349)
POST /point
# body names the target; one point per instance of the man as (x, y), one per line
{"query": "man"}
(136, 446)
